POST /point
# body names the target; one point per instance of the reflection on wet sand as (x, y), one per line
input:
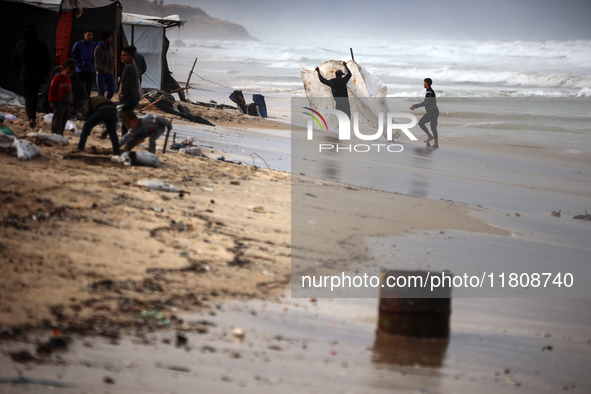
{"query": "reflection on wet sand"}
(405, 351)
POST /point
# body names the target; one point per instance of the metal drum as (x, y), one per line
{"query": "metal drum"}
(414, 311)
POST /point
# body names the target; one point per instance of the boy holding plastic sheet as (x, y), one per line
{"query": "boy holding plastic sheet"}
(61, 97)
(149, 126)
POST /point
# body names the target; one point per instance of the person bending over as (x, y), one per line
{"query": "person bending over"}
(149, 126)
(97, 110)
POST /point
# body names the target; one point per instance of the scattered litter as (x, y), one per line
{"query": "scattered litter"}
(108, 380)
(158, 317)
(71, 126)
(9, 117)
(517, 214)
(181, 340)
(585, 217)
(192, 150)
(547, 348)
(180, 145)
(207, 189)
(176, 368)
(235, 183)
(41, 382)
(142, 159)
(5, 130)
(238, 333)
(157, 184)
(48, 118)
(259, 209)
(53, 138)
(166, 102)
(513, 382)
(25, 150)
(556, 213)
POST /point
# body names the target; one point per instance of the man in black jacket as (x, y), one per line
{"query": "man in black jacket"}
(430, 104)
(338, 86)
(32, 62)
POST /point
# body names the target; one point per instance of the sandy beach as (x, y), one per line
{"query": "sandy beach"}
(149, 287)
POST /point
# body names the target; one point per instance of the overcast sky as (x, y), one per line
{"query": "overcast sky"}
(437, 19)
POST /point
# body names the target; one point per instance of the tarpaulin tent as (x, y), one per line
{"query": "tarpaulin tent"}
(367, 94)
(60, 22)
(148, 35)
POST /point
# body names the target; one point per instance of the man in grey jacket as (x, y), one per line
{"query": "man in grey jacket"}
(149, 126)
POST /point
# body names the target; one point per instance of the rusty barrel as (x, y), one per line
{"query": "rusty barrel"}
(413, 310)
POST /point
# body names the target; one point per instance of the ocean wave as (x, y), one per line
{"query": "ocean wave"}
(585, 92)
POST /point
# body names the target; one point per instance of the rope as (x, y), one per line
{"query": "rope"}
(253, 160)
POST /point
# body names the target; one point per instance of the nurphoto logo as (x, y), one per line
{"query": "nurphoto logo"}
(344, 130)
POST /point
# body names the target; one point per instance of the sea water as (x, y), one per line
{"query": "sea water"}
(522, 92)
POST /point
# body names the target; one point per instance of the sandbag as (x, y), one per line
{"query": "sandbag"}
(52, 138)
(25, 150)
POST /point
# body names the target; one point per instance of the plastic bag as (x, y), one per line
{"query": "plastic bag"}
(143, 159)
(9, 117)
(53, 138)
(25, 150)
(192, 150)
(157, 184)
(71, 126)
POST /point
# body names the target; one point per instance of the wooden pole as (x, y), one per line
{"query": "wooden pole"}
(191, 73)
(352, 57)
(153, 103)
(165, 141)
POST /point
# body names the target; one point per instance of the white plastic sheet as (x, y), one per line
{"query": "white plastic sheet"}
(361, 87)
(148, 40)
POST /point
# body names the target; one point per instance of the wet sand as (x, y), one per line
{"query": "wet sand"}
(529, 346)
(506, 345)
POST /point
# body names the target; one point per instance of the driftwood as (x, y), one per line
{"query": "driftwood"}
(165, 102)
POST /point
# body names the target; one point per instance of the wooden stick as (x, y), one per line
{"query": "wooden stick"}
(191, 73)
(176, 90)
(151, 104)
(352, 57)
(165, 141)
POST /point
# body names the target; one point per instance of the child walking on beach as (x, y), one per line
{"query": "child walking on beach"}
(61, 97)
(149, 126)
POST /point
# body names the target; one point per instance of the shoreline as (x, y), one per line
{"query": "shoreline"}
(112, 256)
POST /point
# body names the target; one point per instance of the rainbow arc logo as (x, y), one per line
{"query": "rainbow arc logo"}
(316, 118)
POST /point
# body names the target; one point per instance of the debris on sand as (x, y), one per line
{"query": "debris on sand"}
(556, 214)
(166, 102)
(586, 217)
(157, 184)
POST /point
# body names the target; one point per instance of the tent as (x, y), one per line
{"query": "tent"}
(148, 35)
(61, 23)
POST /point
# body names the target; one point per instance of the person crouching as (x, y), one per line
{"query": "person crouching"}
(149, 126)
